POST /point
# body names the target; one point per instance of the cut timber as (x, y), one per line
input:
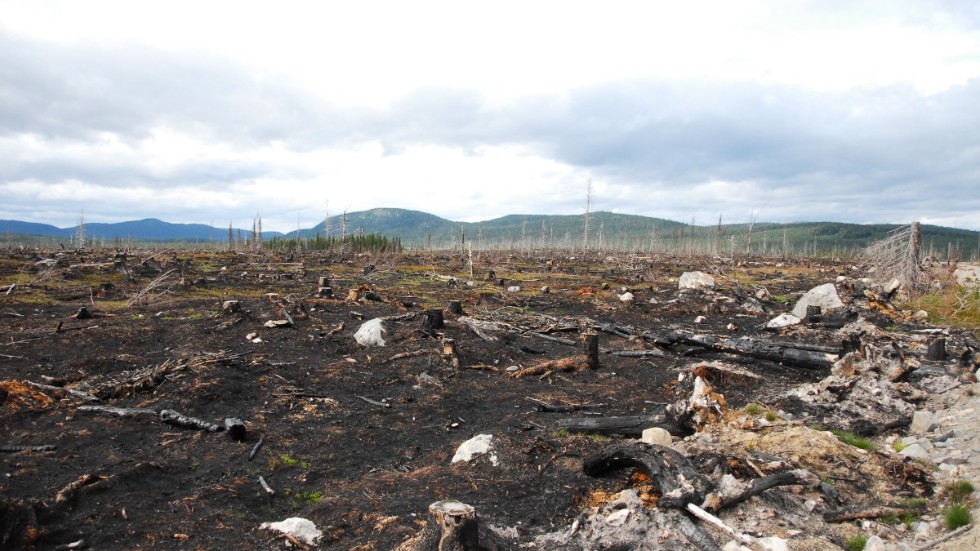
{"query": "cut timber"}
(674, 478)
(626, 425)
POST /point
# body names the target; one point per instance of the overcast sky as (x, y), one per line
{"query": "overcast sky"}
(210, 111)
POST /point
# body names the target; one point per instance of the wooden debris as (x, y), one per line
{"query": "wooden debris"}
(178, 419)
(674, 478)
(255, 449)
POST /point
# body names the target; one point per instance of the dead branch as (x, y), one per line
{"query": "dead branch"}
(178, 419)
(16, 449)
(797, 477)
(876, 511)
(121, 412)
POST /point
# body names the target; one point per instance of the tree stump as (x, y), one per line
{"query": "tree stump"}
(937, 350)
(324, 291)
(590, 347)
(813, 312)
(454, 527)
(323, 281)
(455, 307)
(433, 319)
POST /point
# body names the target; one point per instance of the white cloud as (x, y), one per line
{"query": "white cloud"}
(196, 111)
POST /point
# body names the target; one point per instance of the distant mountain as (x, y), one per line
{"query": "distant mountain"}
(158, 230)
(30, 228)
(607, 231)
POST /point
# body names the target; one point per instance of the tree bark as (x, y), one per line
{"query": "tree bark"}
(673, 476)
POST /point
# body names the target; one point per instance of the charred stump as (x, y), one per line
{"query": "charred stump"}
(674, 478)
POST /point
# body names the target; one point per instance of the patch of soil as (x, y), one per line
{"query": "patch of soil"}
(357, 439)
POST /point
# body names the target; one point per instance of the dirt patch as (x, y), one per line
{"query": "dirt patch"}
(359, 440)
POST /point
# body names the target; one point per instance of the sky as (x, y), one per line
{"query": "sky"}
(221, 111)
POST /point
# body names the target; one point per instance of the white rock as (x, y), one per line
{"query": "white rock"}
(371, 333)
(825, 296)
(695, 280)
(657, 436)
(626, 297)
(772, 543)
(783, 320)
(699, 319)
(300, 528)
(481, 444)
(923, 421)
(618, 518)
(874, 543)
(915, 451)
(514, 289)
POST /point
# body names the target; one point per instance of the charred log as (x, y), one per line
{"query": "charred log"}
(673, 476)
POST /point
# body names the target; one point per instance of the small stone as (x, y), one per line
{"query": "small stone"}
(783, 320)
(656, 436)
(514, 289)
(874, 543)
(699, 319)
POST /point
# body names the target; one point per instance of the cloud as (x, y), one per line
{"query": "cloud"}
(753, 118)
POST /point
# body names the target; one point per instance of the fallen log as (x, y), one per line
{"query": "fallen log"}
(626, 425)
(674, 478)
(782, 354)
(16, 449)
(178, 419)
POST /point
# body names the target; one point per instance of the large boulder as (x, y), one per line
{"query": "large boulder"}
(825, 296)
(696, 280)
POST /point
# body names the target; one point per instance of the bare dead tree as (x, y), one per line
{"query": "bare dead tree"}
(588, 207)
(897, 256)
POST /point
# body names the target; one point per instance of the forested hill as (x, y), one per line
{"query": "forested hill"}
(607, 231)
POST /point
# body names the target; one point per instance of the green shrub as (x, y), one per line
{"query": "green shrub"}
(959, 491)
(957, 516)
(856, 543)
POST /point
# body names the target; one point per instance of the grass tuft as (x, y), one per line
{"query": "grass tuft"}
(854, 440)
(956, 516)
(856, 543)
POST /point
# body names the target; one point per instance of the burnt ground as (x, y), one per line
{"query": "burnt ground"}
(364, 473)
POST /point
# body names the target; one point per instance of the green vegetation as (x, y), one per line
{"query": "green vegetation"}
(959, 491)
(771, 416)
(753, 409)
(951, 305)
(897, 445)
(853, 440)
(599, 438)
(298, 500)
(957, 515)
(856, 543)
(561, 433)
(372, 243)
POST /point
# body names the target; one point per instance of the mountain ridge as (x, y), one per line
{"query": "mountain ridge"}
(417, 229)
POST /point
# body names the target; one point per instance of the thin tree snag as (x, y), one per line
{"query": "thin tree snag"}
(673, 476)
(626, 425)
(797, 477)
